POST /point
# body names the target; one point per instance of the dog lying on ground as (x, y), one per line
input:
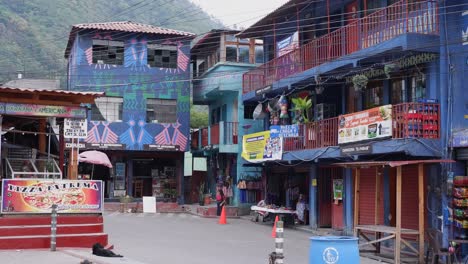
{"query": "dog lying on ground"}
(99, 250)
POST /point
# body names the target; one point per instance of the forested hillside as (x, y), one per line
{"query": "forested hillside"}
(34, 33)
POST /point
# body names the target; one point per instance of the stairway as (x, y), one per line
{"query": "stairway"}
(16, 157)
(33, 231)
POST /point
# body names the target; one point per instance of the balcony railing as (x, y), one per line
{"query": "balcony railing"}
(397, 19)
(410, 120)
(215, 136)
(314, 135)
(231, 133)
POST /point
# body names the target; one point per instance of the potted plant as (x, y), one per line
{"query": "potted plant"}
(360, 82)
(301, 108)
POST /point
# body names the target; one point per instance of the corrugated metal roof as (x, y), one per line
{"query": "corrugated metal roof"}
(355, 164)
(210, 39)
(96, 94)
(263, 26)
(123, 26)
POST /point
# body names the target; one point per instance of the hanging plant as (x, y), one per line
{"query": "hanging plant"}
(301, 108)
(360, 82)
(389, 68)
(319, 89)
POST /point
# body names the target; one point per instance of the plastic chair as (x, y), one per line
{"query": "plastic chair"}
(434, 237)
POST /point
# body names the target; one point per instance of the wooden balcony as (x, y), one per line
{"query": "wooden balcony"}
(387, 23)
(214, 134)
(195, 143)
(410, 120)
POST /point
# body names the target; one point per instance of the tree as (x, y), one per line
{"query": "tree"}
(198, 116)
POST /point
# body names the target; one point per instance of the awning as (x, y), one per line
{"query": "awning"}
(397, 163)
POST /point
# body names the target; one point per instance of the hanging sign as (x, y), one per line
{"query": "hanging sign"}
(26, 196)
(369, 124)
(75, 128)
(42, 110)
(286, 131)
(354, 150)
(262, 146)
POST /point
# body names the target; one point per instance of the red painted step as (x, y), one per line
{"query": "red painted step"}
(45, 220)
(66, 240)
(45, 229)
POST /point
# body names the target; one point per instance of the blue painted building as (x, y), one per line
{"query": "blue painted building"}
(143, 122)
(219, 59)
(354, 59)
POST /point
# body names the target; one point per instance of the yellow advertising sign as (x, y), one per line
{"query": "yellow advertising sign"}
(262, 146)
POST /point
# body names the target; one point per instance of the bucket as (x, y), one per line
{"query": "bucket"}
(334, 250)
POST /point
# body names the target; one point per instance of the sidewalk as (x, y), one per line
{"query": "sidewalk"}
(61, 256)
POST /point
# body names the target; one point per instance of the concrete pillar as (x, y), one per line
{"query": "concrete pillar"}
(313, 208)
(348, 201)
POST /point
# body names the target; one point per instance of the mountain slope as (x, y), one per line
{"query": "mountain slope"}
(33, 33)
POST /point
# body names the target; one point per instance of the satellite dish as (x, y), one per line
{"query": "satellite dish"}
(258, 112)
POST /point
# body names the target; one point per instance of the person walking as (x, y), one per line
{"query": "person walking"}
(220, 200)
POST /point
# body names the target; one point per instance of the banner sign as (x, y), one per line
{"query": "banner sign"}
(369, 124)
(30, 196)
(262, 146)
(285, 131)
(42, 110)
(287, 44)
(338, 189)
(75, 128)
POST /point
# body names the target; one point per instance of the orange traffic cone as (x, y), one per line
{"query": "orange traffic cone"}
(222, 218)
(273, 232)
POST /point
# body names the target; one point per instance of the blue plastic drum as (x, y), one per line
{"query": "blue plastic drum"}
(334, 250)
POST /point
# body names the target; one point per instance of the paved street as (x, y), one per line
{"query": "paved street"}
(180, 239)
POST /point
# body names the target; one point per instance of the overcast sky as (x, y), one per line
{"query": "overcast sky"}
(243, 13)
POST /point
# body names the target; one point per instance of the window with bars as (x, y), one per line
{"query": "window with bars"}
(107, 109)
(162, 56)
(161, 110)
(108, 52)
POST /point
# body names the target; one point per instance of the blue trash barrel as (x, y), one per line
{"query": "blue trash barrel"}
(334, 250)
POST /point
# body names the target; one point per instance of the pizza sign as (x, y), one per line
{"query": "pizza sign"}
(38, 196)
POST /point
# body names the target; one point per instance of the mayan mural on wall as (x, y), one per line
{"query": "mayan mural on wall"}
(134, 81)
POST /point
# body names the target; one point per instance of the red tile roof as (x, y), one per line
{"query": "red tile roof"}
(124, 26)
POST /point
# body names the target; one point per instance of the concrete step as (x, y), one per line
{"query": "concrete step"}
(21, 220)
(43, 241)
(25, 230)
